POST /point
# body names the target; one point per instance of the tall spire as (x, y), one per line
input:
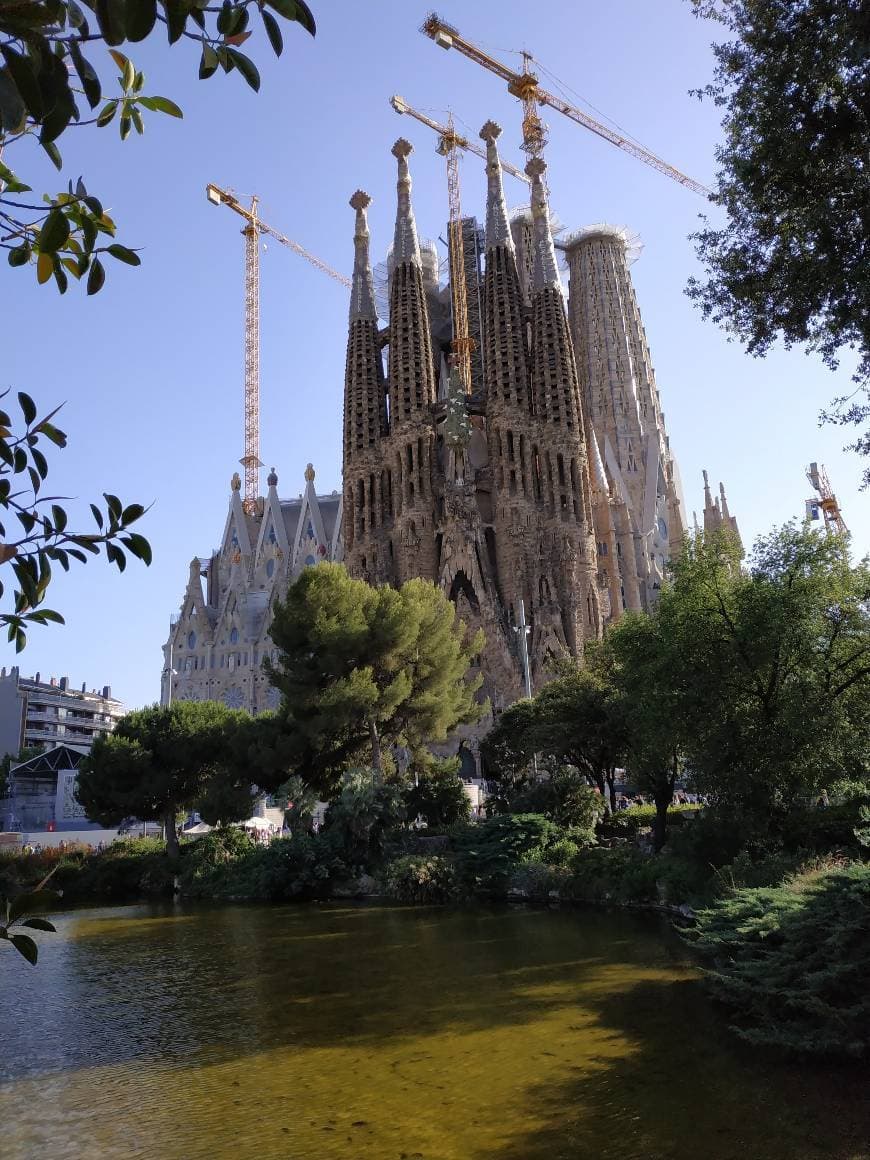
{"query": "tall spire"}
(708, 497)
(406, 246)
(362, 293)
(546, 272)
(498, 231)
(724, 505)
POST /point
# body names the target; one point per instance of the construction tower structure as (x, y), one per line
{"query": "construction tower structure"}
(824, 503)
(526, 87)
(251, 232)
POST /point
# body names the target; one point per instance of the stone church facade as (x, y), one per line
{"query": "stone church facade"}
(219, 639)
(544, 501)
(545, 497)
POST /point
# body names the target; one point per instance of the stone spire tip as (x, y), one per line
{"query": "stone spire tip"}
(272, 478)
(402, 148)
(360, 200)
(536, 167)
(309, 473)
(490, 132)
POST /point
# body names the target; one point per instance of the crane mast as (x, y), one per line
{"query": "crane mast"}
(526, 87)
(463, 344)
(251, 459)
(827, 501)
(253, 228)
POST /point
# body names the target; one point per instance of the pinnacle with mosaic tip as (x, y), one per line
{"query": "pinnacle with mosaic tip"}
(490, 132)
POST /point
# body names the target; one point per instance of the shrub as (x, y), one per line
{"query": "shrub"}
(438, 795)
(304, 866)
(536, 880)
(487, 853)
(825, 829)
(364, 817)
(627, 823)
(791, 962)
(421, 879)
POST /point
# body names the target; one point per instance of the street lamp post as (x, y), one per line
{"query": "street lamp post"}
(524, 630)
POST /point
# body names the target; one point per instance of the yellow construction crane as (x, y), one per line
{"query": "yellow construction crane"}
(525, 86)
(827, 501)
(463, 344)
(402, 106)
(253, 228)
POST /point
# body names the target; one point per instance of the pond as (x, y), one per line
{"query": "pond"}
(389, 1033)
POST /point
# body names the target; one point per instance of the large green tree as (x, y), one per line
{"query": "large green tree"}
(575, 720)
(775, 666)
(793, 81)
(361, 667)
(161, 760)
(756, 679)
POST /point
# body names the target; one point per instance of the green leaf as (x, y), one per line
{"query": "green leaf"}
(28, 407)
(87, 74)
(25, 946)
(129, 75)
(95, 206)
(13, 185)
(54, 153)
(13, 114)
(209, 62)
(126, 124)
(96, 277)
(273, 31)
(130, 514)
(40, 923)
(124, 255)
(20, 256)
(141, 15)
(110, 17)
(177, 12)
(54, 233)
(44, 268)
(246, 67)
(58, 517)
(98, 516)
(163, 104)
(295, 10)
(107, 113)
(138, 546)
(137, 120)
(21, 69)
(225, 17)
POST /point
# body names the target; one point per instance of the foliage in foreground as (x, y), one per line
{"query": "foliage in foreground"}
(792, 962)
(51, 56)
(793, 82)
(34, 529)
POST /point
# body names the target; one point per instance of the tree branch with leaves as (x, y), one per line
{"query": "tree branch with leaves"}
(51, 55)
(34, 528)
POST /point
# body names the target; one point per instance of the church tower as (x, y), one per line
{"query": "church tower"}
(622, 405)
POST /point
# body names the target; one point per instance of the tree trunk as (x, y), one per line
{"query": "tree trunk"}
(660, 826)
(377, 764)
(172, 847)
(611, 789)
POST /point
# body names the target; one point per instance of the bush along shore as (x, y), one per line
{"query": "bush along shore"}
(781, 925)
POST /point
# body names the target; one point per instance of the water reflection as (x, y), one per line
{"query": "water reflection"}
(378, 1032)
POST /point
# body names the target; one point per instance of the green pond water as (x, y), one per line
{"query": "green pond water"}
(383, 1033)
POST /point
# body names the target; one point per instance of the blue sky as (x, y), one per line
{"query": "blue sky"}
(151, 370)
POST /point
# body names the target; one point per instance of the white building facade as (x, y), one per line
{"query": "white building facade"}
(218, 641)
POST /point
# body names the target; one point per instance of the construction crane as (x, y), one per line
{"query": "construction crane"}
(463, 344)
(827, 501)
(253, 228)
(525, 86)
(402, 106)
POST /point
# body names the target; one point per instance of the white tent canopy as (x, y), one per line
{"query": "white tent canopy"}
(257, 824)
(199, 828)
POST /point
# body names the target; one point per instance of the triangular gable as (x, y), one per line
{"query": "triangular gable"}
(273, 525)
(236, 528)
(310, 528)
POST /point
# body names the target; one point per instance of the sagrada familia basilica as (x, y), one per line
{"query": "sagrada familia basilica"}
(544, 500)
